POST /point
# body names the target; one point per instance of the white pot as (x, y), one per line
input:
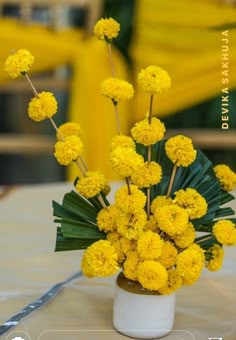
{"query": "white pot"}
(142, 315)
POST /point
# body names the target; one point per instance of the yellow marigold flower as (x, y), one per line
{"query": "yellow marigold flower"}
(149, 245)
(131, 225)
(152, 275)
(180, 150)
(113, 236)
(91, 185)
(151, 224)
(131, 265)
(189, 264)
(117, 90)
(154, 79)
(216, 254)
(106, 29)
(147, 175)
(18, 63)
(225, 232)
(42, 107)
(100, 259)
(68, 129)
(121, 244)
(106, 218)
(122, 141)
(125, 161)
(192, 201)
(171, 219)
(148, 134)
(68, 150)
(160, 201)
(226, 176)
(130, 202)
(169, 255)
(174, 282)
(186, 238)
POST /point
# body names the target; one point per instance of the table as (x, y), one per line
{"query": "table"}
(83, 310)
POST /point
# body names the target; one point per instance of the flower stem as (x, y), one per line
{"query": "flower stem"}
(149, 153)
(111, 60)
(101, 200)
(148, 203)
(83, 163)
(208, 237)
(171, 180)
(35, 92)
(127, 179)
(80, 167)
(117, 119)
(150, 110)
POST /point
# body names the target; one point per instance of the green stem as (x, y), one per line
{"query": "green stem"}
(171, 180)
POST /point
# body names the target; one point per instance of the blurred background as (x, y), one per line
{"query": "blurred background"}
(184, 37)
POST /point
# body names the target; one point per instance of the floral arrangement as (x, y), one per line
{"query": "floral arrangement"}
(167, 221)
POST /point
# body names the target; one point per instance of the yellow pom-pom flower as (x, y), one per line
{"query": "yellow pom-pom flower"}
(122, 141)
(160, 201)
(130, 202)
(189, 264)
(106, 218)
(225, 232)
(125, 161)
(131, 265)
(152, 275)
(192, 201)
(18, 63)
(91, 185)
(154, 80)
(68, 129)
(174, 283)
(148, 174)
(151, 224)
(100, 259)
(168, 255)
(216, 258)
(106, 29)
(180, 150)
(68, 150)
(226, 176)
(149, 246)
(172, 219)
(148, 134)
(42, 107)
(117, 90)
(186, 238)
(131, 225)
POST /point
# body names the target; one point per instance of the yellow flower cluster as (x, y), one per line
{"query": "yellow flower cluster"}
(226, 177)
(147, 175)
(180, 150)
(147, 133)
(174, 282)
(131, 224)
(152, 275)
(106, 29)
(194, 203)
(160, 201)
(125, 161)
(154, 80)
(42, 107)
(92, 184)
(18, 63)
(122, 141)
(68, 129)
(130, 201)
(216, 253)
(117, 90)
(68, 150)
(225, 232)
(186, 238)
(149, 246)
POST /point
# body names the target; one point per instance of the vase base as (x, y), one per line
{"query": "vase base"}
(144, 334)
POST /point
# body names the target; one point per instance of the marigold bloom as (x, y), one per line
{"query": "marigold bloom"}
(190, 264)
(160, 201)
(131, 225)
(225, 232)
(125, 161)
(148, 174)
(192, 201)
(42, 107)
(100, 259)
(216, 254)
(148, 134)
(174, 282)
(106, 29)
(68, 150)
(122, 141)
(106, 218)
(131, 265)
(18, 63)
(151, 224)
(154, 80)
(117, 90)
(168, 255)
(152, 275)
(91, 185)
(226, 176)
(122, 245)
(171, 219)
(180, 150)
(68, 129)
(130, 202)
(149, 245)
(186, 238)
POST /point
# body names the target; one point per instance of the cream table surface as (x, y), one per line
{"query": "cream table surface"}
(83, 310)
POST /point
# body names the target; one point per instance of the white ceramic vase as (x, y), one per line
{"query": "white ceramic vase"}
(142, 314)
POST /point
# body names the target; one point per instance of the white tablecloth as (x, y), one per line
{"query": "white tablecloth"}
(83, 310)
